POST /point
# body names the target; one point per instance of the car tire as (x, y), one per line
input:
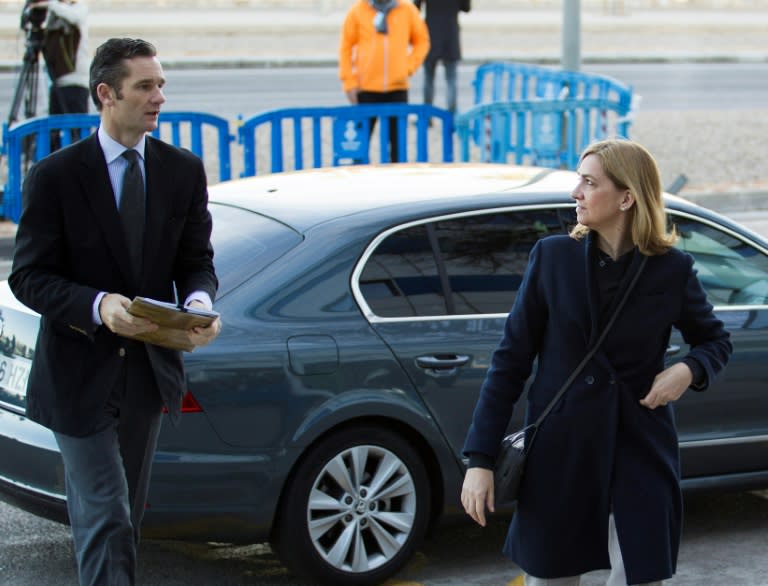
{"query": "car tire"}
(356, 509)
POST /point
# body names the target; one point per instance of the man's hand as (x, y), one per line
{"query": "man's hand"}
(200, 336)
(352, 96)
(113, 310)
(477, 492)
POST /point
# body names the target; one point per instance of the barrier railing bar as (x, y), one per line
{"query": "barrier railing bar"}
(277, 144)
(298, 149)
(317, 142)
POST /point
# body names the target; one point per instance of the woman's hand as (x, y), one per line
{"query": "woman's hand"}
(669, 385)
(477, 492)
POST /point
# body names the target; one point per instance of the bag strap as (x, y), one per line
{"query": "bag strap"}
(592, 350)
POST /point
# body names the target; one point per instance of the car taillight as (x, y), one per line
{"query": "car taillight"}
(188, 404)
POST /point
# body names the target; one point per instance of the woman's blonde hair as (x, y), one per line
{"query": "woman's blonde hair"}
(630, 166)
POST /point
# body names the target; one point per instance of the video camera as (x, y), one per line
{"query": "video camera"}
(33, 17)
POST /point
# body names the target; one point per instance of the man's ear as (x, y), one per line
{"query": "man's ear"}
(105, 94)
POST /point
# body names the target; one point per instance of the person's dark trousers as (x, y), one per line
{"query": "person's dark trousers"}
(451, 68)
(68, 99)
(398, 96)
(107, 481)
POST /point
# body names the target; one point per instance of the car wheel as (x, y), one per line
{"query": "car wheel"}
(356, 509)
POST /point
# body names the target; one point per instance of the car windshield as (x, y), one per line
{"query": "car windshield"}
(731, 271)
(244, 243)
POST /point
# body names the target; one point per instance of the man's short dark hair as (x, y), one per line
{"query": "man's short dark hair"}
(108, 65)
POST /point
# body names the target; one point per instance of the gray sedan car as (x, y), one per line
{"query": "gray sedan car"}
(360, 307)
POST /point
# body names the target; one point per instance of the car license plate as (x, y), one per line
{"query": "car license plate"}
(14, 373)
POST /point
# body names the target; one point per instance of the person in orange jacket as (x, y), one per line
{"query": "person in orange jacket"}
(383, 43)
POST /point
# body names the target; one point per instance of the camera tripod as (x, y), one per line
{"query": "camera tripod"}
(27, 87)
(29, 77)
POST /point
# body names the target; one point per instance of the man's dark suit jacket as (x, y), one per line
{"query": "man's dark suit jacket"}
(70, 246)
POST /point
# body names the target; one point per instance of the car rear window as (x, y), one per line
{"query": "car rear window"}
(244, 243)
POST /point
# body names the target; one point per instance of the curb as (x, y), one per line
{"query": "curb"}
(247, 62)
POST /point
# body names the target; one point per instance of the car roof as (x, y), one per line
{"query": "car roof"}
(302, 199)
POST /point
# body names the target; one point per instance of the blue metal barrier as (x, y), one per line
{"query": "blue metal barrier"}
(340, 135)
(547, 129)
(194, 123)
(32, 138)
(611, 101)
(502, 81)
(561, 147)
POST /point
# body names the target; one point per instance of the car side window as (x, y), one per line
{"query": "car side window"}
(485, 257)
(469, 264)
(400, 279)
(731, 271)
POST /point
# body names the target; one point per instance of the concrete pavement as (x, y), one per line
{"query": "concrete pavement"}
(250, 36)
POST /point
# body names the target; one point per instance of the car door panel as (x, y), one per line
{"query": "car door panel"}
(468, 268)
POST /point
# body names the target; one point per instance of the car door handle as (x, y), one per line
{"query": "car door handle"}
(441, 361)
(672, 349)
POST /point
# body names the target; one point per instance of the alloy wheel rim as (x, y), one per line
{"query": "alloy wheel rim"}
(361, 508)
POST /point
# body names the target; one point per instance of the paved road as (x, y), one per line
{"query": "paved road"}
(723, 543)
(228, 92)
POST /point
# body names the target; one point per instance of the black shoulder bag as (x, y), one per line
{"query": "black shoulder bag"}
(510, 463)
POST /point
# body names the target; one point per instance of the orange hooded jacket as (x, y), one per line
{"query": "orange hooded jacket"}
(376, 62)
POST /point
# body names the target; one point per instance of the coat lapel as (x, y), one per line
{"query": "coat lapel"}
(100, 196)
(593, 298)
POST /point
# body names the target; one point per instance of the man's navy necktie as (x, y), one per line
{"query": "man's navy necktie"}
(132, 208)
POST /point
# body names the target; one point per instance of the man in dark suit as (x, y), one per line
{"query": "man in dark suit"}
(78, 262)
(445, 45)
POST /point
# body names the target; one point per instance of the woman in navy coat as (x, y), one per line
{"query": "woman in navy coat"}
(602, 482)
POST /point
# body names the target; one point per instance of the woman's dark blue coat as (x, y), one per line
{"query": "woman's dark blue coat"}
(599, 451)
